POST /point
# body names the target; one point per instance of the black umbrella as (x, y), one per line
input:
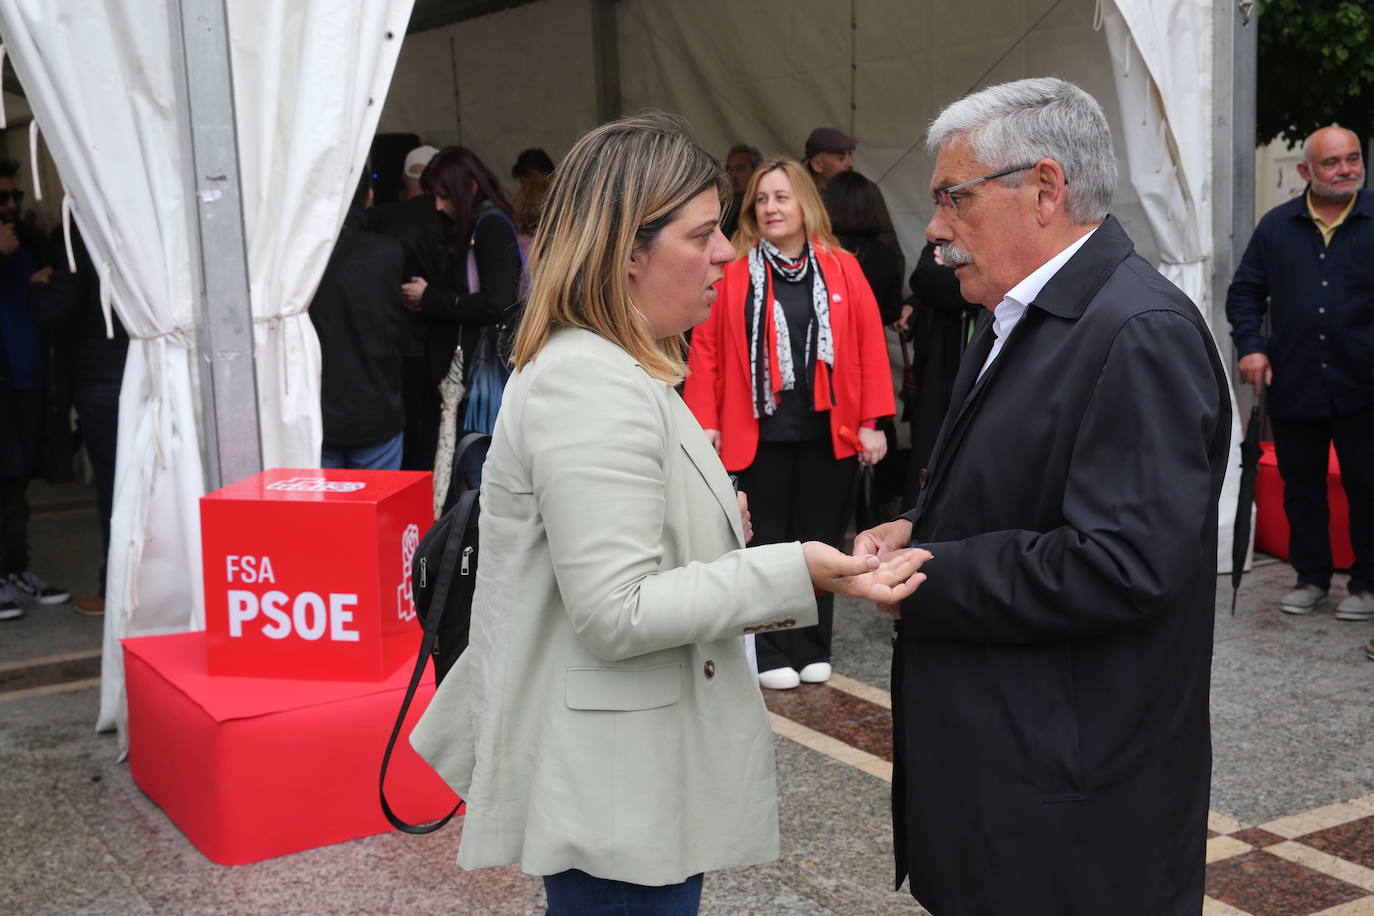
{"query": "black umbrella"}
(1250, 452)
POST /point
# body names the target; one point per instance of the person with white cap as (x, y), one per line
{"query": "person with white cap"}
(419, 228)
(414, 167)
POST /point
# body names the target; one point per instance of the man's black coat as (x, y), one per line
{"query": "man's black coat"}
(1050, 678)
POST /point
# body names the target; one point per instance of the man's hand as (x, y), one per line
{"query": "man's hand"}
(885, 581)
(874, 442)
(41, 276)
(744, 516)
(413, 292)
(1256, 371)
(882, 540)
(9, 239)
(713, 437)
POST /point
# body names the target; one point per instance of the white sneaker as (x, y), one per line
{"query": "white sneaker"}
(10, 607)
(816, 673)
(779, 679)
(1356, 606)
(1303, 600)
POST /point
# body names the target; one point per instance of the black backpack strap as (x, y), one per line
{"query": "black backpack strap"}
(465, 443)
(461, 513)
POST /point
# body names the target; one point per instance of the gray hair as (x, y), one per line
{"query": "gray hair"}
(1032, 119)
(755, 157)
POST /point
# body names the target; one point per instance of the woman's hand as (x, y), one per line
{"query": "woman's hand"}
(713, 437)
(874, 445)
(745, 517)
(886, 581)
(903, 322)
(413, 292)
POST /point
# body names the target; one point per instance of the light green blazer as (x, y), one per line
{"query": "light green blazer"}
(604, 716)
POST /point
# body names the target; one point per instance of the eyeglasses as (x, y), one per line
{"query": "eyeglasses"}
(944, 198)
(6, 195)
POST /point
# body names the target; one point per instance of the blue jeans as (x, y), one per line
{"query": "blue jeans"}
(576, 893)
(384, 456)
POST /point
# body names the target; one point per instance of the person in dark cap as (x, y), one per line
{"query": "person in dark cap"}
(830, 151)
(531, 163)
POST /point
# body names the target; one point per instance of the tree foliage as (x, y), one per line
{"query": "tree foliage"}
(1316, 67)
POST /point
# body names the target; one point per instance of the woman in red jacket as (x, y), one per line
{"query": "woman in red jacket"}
(789, 377)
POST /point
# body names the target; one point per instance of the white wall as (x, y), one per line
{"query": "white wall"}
(763, 72)
(500, 83)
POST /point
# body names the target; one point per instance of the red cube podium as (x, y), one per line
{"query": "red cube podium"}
(1271, 524)
(307, 572)
(252, 768)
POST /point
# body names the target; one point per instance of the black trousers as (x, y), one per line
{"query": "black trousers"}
(798, 491)
(14, 491)
(422, 404)
(97, 409)
(1303, 447)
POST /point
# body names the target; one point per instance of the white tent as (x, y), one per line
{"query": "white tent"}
(310, 75)
(767, 71)
(103, 82)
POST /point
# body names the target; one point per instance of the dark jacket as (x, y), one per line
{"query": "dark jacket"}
(1051, 676)
(939, 328)
(458, 314)
(1320, 300)
(419, 227)
(68, 309)
(50, 456)
(882, 269)
(359, 316)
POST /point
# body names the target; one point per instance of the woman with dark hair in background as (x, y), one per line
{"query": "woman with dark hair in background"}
(790, 377)
(485, 285)
(853, 203)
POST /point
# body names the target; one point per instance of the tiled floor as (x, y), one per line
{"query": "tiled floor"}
(1312, 862)
(1291, 834)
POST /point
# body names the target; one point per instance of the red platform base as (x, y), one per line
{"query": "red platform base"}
(1271, 525)
(252, 768)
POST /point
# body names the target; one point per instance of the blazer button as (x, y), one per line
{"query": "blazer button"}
(709, 669)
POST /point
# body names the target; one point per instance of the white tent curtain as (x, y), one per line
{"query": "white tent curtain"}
(1161, 64)
(99, 77)
(309, 80)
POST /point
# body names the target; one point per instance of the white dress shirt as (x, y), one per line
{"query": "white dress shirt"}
(1011, 309)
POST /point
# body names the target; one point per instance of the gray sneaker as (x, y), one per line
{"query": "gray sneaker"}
(10, 606)
(1303, 600)
(1356, 606)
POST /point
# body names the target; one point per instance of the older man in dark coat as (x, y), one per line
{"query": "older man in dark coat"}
(1050, 678)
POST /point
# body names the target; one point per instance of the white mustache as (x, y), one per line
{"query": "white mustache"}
(954, 256)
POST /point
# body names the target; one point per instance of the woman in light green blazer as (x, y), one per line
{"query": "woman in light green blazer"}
(604, 726)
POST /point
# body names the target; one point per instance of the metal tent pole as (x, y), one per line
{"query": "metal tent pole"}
(1233, 156)
(219, 251)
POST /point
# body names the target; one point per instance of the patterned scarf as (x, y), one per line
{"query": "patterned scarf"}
(819, 342)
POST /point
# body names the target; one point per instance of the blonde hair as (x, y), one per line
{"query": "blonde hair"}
(619, 186)
(815, 219)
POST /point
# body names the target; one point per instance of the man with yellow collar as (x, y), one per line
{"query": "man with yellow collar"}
(1310, 265)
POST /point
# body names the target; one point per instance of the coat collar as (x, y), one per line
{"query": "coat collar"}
(1070, 290)
(1297, 207)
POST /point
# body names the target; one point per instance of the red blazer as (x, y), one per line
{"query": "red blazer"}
(717, 387)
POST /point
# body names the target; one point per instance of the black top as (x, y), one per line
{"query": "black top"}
(68, 309)
(419, 227)
(795, 419)
(457, 314)
(358, 314)
(1320, 303)
(882, 269)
